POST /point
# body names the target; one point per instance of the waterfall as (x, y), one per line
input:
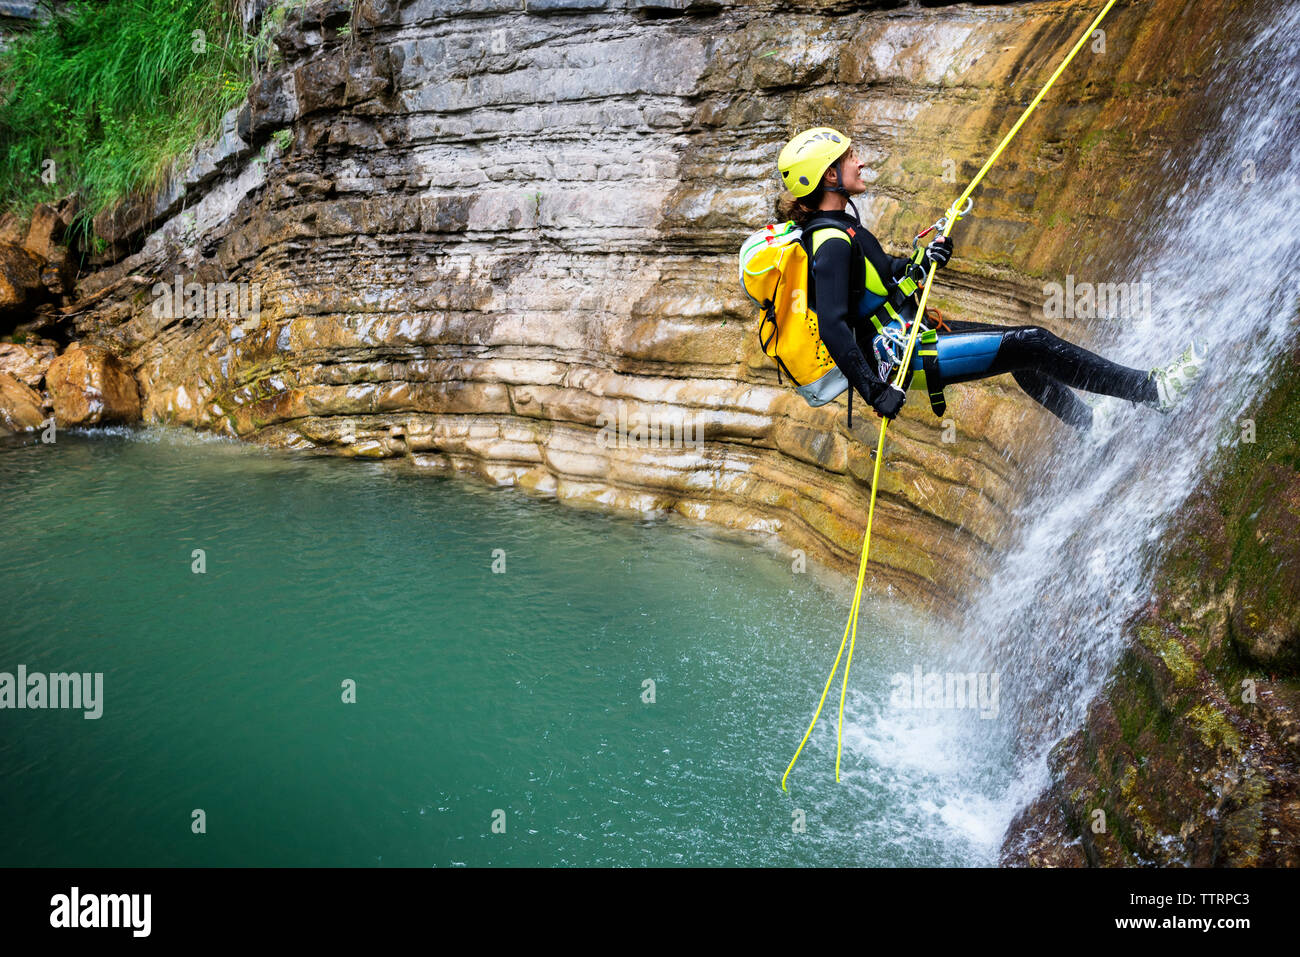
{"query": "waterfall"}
(1218, 254)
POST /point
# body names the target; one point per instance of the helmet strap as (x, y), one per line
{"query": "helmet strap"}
(839, 182)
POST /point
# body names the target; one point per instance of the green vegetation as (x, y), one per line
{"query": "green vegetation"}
(103, 98)
(1170, 651)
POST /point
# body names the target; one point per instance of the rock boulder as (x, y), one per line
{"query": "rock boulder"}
(91, 386)
(20, 406)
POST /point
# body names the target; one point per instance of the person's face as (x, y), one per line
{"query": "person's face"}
(851, 168)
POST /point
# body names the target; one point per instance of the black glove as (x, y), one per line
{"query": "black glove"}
(939, 252)
(888, 401)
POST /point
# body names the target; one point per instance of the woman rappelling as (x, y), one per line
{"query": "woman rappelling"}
(863, 301)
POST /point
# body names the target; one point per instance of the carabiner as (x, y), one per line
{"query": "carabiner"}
(958, 213)
(938, 224)
(941, 224)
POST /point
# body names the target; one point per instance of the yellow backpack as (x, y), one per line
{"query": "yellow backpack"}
(774, 274)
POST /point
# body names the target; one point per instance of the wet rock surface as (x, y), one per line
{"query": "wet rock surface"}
(1192, 754)
(20, 406)
(91, 386)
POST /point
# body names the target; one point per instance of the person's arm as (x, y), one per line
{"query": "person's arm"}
(830, 269)
(895, 267)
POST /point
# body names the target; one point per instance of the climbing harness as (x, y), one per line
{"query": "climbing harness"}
(889, 347)
(944, 226)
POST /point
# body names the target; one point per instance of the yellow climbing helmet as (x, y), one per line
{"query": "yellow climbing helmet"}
(810, 154)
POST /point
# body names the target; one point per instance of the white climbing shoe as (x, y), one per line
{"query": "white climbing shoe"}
(1175, 380)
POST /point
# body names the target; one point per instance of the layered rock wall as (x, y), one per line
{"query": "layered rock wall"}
(484, 233)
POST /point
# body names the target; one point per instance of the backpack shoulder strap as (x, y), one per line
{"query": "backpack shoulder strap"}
(825, 222)
(872, 255)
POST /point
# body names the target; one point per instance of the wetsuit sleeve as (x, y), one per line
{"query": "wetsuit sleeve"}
(830, 269)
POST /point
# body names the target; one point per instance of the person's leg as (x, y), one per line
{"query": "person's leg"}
(1054, 397)
(977, 351)
(1041, 363)
(1033, 348)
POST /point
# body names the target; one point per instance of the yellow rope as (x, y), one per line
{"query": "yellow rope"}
(953, 217)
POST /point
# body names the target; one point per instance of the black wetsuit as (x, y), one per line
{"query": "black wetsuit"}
(1045, 366)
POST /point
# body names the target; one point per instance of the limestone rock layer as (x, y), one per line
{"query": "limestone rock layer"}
(499, 238)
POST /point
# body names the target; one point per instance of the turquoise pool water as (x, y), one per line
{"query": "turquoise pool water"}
(499, 718)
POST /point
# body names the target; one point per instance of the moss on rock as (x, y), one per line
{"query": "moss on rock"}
(1193, 750)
